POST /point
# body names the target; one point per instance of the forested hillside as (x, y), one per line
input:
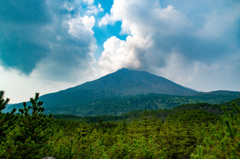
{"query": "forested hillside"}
(215, 109)
(118, 106)
(188, 131)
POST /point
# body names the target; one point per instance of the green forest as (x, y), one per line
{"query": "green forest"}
(196, 131)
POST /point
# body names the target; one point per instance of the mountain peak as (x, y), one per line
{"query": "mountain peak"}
(129, 82)
(124, 70)
(122, 83)
(130, 71)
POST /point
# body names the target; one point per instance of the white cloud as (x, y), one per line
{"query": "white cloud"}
(183, 46)
(145, 17)
(80, 27)
(88, 1)
(116, 55)
(107, 19)
(92, 9)
(146, 28)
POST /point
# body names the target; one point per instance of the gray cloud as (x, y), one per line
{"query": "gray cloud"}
(24, 12)
(37, 34)
(21, 31)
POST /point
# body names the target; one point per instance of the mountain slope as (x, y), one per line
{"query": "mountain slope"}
(126, 82)
(124, 91)
(120, 83)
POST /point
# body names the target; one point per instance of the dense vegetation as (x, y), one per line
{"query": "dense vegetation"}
(199, 132)
(121, 105)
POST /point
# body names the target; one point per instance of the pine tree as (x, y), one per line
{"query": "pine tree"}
(84, 133)
(134, 131)
(3, 102)
(7, 124)
(6, 120)
(146, 125)
(34, 130)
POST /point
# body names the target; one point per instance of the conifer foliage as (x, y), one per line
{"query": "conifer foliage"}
(34, 129)
(6, 120)
(224, 139)
(31, 133)
(194, 133)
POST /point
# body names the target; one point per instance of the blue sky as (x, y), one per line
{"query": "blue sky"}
(49, 45)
